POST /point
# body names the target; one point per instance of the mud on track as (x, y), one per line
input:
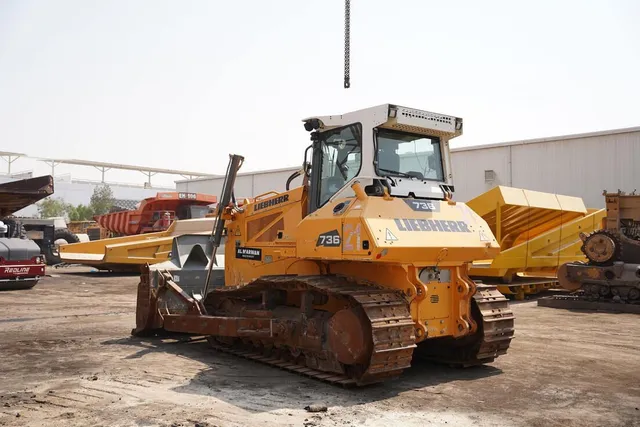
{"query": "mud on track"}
(68, 360)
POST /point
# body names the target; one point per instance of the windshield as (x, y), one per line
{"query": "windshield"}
(408, 155)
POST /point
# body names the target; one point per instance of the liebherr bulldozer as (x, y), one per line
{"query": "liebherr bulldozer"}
(349, 276)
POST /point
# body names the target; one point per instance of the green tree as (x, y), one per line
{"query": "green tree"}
(51, 207)
(101, 200)
(80, 213)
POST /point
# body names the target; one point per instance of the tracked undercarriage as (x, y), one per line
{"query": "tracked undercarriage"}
(610, 275)
(612, 271)
(328, 327)
(368, 339)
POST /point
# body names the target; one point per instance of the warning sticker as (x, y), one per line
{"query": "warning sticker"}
(389, 235)
(484, 237)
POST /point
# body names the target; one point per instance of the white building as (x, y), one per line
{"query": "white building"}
(581, 165)
(248, 184)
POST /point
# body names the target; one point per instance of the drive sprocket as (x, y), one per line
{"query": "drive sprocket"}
(601, 247)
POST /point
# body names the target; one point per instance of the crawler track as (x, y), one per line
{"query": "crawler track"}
(391, 326)
(498, 323)
(392, 330)
(577, 302)
(491, 311)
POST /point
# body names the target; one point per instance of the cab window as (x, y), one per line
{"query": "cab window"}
(341, 159)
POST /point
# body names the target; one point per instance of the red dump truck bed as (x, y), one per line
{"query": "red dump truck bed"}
(149, 215)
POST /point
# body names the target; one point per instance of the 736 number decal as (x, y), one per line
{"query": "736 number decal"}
(329, 239)
(423, 205)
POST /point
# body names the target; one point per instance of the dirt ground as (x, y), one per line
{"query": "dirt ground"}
(67, 359)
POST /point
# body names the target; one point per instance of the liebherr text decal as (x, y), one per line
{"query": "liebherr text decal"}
(271, 202)
(409, 224)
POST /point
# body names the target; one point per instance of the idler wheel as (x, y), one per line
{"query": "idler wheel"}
(349, 336)
(565, 281)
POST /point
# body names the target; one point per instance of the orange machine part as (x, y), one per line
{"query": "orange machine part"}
(141, 220)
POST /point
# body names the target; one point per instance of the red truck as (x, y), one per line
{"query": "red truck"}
(157, 213)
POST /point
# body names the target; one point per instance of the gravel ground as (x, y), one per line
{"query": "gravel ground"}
(68, 360)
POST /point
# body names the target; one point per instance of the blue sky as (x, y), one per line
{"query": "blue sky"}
(180, 84)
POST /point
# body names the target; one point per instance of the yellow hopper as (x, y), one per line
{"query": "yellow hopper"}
(537, 233)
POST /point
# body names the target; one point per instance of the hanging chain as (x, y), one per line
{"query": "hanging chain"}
(347, 30)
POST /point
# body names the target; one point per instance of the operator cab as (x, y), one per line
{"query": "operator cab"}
(401, 149)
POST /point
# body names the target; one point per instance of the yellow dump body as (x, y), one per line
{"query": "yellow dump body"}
(130, 252)
(537, 231)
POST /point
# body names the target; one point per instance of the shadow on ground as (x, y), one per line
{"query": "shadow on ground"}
(95, 273)
(257, 387)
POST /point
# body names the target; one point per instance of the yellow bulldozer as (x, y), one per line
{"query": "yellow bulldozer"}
(349, 276)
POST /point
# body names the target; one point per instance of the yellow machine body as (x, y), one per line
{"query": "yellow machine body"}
(384, 240)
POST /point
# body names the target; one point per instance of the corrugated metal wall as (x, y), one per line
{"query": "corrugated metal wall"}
(247, 185)
(469, 171)
(581, 166)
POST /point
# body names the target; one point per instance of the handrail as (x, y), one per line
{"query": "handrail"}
(264, 194)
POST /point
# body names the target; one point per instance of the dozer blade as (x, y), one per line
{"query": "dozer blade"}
(129, 253)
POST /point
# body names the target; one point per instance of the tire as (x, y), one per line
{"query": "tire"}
(61, 236)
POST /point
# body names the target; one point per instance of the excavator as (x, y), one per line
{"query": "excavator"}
(351, 275)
